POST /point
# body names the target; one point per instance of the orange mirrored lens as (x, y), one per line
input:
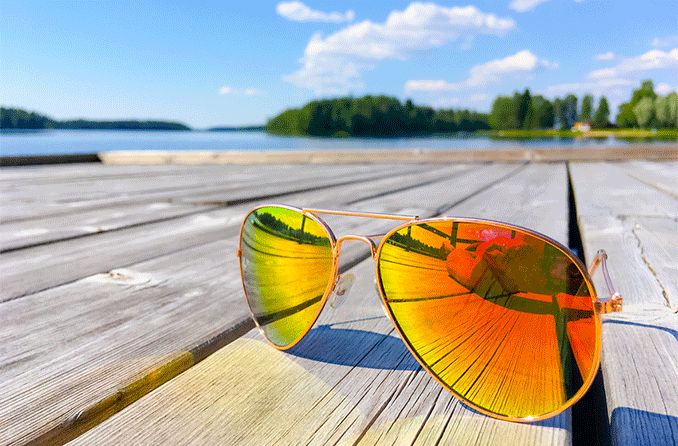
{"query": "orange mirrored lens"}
(500, 316)
(287, 265)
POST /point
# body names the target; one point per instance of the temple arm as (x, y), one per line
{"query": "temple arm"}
(613, 303)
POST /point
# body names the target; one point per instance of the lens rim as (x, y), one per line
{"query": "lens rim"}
(566, 251)
(328, 288)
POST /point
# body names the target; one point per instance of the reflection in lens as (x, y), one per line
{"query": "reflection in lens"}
(286, 264)
(501, 317)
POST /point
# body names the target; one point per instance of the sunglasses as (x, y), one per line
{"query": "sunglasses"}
(503, 317)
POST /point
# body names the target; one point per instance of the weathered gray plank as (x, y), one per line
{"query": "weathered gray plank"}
(145, 322)
(622, 215)
(160, 206)
(25, 234)
(69, 198)
(662, 176)
(636, 220)
(58, 173)
(350, 380)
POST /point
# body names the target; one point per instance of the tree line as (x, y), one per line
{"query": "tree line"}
(15, 118)
(372, 116)
(646, 109)
(388, 116)
(527, 112)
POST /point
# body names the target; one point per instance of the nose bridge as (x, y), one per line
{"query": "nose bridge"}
(360, 238)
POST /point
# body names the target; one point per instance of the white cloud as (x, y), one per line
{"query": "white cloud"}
(609, 55)
(525, 5)
(665, 42)
(480, 75)
(492, 71)
(649, 61)
(663, 88)
(227, 90)
(334, 64)
(437, 86)
(299, 12)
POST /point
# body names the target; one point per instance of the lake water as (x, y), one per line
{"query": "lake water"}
(53, 142)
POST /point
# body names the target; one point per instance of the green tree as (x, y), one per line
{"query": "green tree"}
(601, 118)
(289, 122)
(644, 111)
(503, 115)
(586, 108)
(542, 115)
(626, 118)
(16, 118)
(646, 90)
(444, 121)
(558, 117)
(569, 111)
(666, 110)
(523, 103)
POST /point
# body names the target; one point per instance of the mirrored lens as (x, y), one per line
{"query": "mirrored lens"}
(500, 316)
(286, 266)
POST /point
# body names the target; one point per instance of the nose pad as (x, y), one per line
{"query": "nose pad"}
(341, 289)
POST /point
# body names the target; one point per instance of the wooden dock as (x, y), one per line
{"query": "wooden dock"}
(122, 317)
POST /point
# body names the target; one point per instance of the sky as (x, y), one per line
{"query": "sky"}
(213, 63)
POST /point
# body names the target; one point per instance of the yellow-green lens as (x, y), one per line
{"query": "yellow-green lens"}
(500, 316)
(287, 266)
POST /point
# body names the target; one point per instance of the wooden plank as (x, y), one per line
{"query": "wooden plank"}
(155, 207)
(618, 213)
(51, 173)
(99, 343)
(24, 234)
(350, 380)
(83, 189)
(408, 155)
(634, 217)
(34, 199)
(662, 176)
(70, 198)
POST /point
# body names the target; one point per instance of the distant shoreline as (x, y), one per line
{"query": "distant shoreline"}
(624, 134)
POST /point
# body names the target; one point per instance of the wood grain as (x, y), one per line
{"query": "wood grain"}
(73, 197)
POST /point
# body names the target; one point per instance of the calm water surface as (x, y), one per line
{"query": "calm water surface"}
(53, 142)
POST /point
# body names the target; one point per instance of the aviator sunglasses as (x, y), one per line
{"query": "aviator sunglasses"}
(503, 317)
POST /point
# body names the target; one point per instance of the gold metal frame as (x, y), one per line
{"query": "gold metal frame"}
(601, 306)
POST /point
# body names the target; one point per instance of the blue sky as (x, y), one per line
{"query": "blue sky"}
(235, 63)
